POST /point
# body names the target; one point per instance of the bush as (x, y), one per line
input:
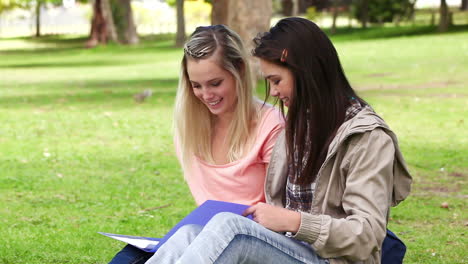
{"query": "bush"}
(311, 13)
(380, 11)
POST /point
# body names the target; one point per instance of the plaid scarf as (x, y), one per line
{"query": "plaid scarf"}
(299, 198)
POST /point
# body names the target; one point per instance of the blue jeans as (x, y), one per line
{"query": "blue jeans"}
(131, 255)
(231, 238)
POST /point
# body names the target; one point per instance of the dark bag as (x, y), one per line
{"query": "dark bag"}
(393, 249)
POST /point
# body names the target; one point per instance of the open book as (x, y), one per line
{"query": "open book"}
(200, 216)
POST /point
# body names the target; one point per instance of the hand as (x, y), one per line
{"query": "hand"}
(274, 218)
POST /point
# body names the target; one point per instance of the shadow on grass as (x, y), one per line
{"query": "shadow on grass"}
(165, 42)
(346, 33)
(97, 92)
(68, 64)
(92, 98)
(108, 84)
(63, 43)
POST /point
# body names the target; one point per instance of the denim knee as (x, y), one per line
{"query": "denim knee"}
(227, 221)
(224, 218)
(189, 229)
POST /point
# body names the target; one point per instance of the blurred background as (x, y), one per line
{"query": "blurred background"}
(124, 20)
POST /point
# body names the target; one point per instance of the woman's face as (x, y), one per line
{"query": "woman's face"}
(213, 86)
(281, 80)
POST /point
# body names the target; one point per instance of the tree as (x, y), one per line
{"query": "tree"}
(246, 17)
(112, 20)
(180, 36)
(122, 14)
(381, 11)
(219, 12)
(37, 5)
(102, 24)
(464, 5)
(365, 13)
(444, 20)
(335, 10)
(290, 7)
(9, 4)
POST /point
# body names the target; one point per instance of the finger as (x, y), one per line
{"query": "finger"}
(255, 218)
(249, 210)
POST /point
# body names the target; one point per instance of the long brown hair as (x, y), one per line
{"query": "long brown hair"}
(320, 96)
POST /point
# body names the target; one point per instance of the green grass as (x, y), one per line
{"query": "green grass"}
(78, 155)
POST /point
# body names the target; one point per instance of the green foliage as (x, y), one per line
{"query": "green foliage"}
(79, 156)
(311, 13)
(171, 2)
(380, 11)
(10, 4)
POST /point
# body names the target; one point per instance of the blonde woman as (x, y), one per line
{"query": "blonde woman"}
(224, 136)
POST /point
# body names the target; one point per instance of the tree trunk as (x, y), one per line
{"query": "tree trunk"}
(219, 13)
(290, 7)
(444, 19)
(365, 13)
(295, 7)
(111, 30)
(246, 17)
(38, 18)
(350, 19)
(180, 37)
(287, 7)
(464, 5)
(102, 24)
(335, 6)
(127, 33)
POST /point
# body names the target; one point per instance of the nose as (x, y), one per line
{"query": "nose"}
(207, 94)
(274, 92)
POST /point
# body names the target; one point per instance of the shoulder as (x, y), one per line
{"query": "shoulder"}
(366, 124)
(270, 116)
(376, 136)
(373, 144)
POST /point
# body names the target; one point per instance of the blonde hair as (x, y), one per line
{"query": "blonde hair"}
(192, 120)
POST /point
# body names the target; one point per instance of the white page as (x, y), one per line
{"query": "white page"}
(137, 242)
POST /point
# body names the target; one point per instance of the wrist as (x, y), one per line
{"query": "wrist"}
(294, 221)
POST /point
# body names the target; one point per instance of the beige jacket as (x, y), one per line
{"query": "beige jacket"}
(363, 175)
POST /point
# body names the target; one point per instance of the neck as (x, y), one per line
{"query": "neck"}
(223, 121)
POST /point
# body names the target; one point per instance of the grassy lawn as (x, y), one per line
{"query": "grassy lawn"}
(78, 155)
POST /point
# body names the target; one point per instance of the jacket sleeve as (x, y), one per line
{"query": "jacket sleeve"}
(366, 200)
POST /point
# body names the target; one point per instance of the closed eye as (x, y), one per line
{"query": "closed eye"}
(275, 82)
(217, 83)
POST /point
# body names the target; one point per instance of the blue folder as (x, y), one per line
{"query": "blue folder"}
(200, 216)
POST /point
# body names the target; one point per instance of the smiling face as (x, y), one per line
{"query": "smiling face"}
(281, 81)
(213, 86)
